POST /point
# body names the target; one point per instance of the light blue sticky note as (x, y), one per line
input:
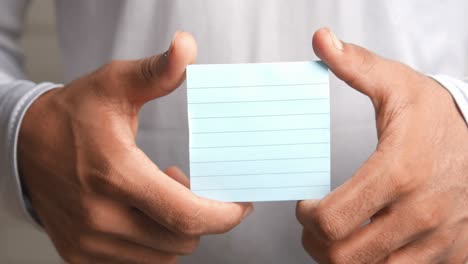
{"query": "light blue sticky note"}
(259, 132)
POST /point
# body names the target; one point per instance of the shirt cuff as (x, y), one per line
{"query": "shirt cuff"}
(15, 99)
(459, 91)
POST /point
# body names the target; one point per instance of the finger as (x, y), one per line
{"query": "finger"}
(460, 257)
(432, 249)
(156, 76)
(398, 227)
(107, 217)
(178, 175)
(459, 253)
(360, 68)
(316, 249)
(372, 188)
(139, 183)
(446, 245)
(112, 250)
(304, 213)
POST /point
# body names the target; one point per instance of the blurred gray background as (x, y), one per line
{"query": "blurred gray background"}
(18, 243)
(41, 49)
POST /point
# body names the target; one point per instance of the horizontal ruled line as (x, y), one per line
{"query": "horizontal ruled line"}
(266, 130)
(252, 160)
(264, 101)
(254, 174)
(302, 114)
(261, 188)
(248, 86)
(265, 145)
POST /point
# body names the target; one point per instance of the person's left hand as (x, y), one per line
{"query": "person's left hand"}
(413, 188)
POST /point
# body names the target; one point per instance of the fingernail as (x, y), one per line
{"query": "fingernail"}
(338, 44)
(247, 211)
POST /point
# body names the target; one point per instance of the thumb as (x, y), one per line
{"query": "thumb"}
(358, 67)
(159, 75)
(178, 175)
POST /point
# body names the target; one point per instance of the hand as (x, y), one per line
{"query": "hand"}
(99, 197)
(413, 188)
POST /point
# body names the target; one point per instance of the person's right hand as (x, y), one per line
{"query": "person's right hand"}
(98, 196)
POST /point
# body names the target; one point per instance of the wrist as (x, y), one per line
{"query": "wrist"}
(38, 112)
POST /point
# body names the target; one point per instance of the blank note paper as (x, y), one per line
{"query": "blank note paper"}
(259, 132)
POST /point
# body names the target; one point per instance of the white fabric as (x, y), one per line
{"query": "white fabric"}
(15, 98)
(432, 38)
(459, 91)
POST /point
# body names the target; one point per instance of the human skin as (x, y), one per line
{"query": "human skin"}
(408, 203)
(99, 197)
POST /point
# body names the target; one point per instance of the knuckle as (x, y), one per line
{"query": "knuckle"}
(327, 223)
(105, 179)
(365, 67)
(97, 180)
(92, 222)
(92, 176)
(369, 63)
(153, 67)
(401, 179)
(147, 70)
(427, 218)
(93, 219)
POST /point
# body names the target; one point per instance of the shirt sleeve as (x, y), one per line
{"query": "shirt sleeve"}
(15, 98)
(16, 95)
(459, 91)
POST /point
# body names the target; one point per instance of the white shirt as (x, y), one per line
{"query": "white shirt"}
(432, 38)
